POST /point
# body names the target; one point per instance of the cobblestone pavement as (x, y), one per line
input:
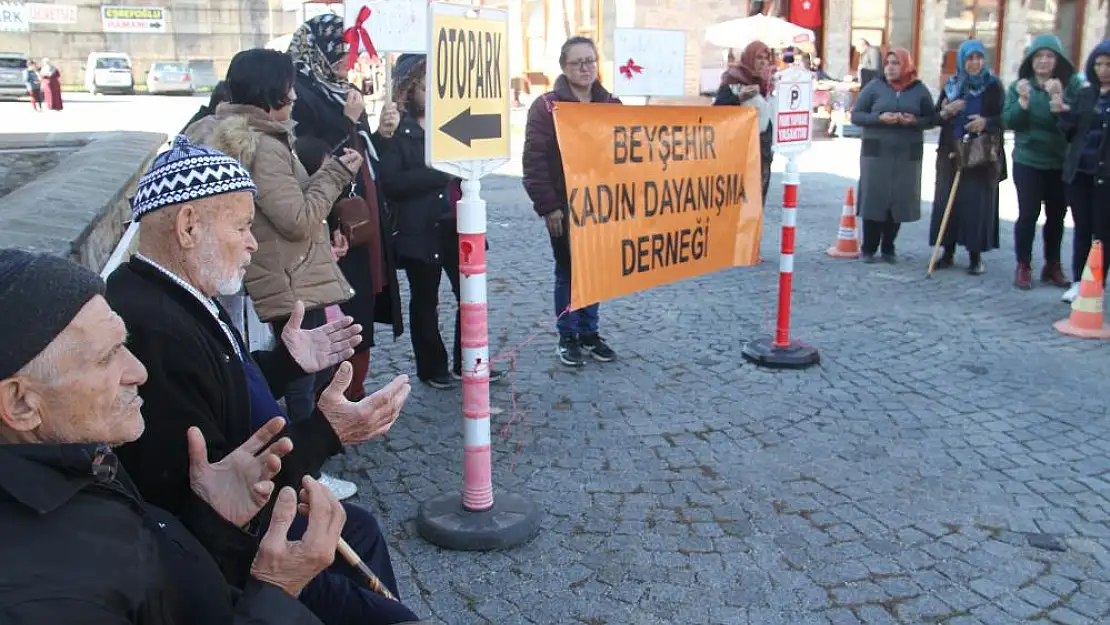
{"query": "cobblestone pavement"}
(946, 463)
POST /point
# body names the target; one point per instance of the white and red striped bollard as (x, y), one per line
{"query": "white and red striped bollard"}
(790, 181)
(780, 352)
(475, 521)
(474, 310)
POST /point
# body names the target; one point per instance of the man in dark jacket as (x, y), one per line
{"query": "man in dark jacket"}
(196, 207)
(80, 545)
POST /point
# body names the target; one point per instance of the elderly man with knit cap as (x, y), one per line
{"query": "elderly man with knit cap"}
(196, 205)
(79, 543)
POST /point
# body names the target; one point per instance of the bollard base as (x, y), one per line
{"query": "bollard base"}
(764, 353)
(513, 520)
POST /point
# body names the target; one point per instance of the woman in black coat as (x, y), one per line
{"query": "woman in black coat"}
(331, 110)
(423, 199)
(970, 104)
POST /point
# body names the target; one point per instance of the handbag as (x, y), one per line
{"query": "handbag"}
(978, 151)
(354, 219)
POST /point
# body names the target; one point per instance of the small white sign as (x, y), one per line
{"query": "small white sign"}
(124, 19)
(13, 17)
(393, 25)
(649, 62)
(39, 13)
(794, 110)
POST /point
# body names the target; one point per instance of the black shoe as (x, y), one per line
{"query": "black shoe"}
(869, 258)
(945, 262)
(494, 375)
(441, 382)
(570, 352)
(598, 348)
(890, 259)
(977, 268)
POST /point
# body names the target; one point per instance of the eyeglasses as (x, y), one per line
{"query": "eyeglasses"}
(583, 64)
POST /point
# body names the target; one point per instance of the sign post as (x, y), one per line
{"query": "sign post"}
(793, 123)
(467, 120)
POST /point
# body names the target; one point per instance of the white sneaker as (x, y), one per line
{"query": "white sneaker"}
(342, 489)
(1072, 293)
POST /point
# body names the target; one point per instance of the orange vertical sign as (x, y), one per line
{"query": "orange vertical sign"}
(657, 194)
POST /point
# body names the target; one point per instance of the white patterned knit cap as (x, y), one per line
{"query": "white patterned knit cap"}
(185, 172)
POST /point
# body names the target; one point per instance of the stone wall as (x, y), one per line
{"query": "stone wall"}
(79, 209)
(195, 29)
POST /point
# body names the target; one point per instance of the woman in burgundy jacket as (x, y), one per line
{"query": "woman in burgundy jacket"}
(545, 183)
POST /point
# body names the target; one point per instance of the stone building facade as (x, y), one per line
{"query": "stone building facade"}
(931, 29)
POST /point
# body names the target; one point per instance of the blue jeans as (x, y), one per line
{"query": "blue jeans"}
(579, 322)
(339, 595)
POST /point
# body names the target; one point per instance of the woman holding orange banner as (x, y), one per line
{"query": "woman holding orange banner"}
(545, 182)
(747, 82)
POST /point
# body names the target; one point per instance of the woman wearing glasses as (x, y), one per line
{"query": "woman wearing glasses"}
(546, 184)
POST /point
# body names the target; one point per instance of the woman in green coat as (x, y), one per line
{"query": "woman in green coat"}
(1039, 152)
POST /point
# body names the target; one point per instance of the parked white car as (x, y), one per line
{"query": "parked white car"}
(169, 77)
(109, 72)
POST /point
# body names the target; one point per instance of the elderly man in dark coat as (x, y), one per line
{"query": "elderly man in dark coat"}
(894, 113)
(196, 206)
(80, 545)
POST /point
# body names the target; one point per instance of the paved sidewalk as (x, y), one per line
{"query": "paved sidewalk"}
(946, 463)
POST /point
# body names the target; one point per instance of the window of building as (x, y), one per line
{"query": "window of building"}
(886, 24)
(1062, 18)
(972, 19)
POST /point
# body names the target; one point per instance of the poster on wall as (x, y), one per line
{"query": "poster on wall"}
(39, 13)
(13, 17)
(124, 19)
(393, 25)
(649, 62)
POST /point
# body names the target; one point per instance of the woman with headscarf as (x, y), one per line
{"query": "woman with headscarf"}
(969, 105)
(894, 113)
(51, 85)
(330, 109)
(747, 82)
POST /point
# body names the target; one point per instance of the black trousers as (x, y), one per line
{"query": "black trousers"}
(424, 279)
(878, 234)
(1090, 210)
(1036, 187)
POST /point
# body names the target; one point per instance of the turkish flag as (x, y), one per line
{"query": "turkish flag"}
(805, 13)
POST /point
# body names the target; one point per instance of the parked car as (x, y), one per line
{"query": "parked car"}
(204, 74)
(109, 72)
(169, 77)
(12, 65)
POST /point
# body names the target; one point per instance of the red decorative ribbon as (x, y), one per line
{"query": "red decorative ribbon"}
(629, 68)
(357, 34)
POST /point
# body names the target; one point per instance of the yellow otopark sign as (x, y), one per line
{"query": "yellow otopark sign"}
(467, 84)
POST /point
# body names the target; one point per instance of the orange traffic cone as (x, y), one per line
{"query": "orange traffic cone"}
(1086, 320)
(847, 243)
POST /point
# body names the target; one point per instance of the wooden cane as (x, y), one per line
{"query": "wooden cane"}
(944, 222)
(354, 560)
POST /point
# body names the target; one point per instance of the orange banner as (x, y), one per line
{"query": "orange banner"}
(657, 194)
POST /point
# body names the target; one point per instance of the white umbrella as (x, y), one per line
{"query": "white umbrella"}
(773, 31)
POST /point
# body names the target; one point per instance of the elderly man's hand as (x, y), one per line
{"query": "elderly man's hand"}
(328, 345)
(358, 422)
(239, 485)
(292, 564)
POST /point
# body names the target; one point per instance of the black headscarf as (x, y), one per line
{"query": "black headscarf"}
(316, 46)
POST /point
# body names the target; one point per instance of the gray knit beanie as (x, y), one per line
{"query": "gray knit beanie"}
(39, 296)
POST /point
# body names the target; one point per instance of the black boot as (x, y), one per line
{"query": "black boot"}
(975, 263)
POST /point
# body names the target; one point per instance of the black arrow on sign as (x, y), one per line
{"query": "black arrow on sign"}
(466, 127)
